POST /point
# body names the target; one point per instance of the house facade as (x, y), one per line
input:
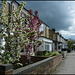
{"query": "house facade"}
(46, 41)
(58, 41)
(54, 37)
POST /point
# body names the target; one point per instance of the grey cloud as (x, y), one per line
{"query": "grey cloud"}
(54, 13)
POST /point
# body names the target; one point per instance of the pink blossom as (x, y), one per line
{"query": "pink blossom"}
(36, 12)
(30, 12)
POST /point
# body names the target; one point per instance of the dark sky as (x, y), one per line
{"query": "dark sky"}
(56, 14)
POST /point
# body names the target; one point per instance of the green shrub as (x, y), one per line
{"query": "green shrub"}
(50, 54)
(55, 53)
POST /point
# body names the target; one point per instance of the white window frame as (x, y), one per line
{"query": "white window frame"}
(47, 46)
(41, 27)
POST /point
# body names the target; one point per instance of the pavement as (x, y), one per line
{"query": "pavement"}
(67, 66)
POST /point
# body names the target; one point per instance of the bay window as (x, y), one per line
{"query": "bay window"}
(46, 46)
(42, 27)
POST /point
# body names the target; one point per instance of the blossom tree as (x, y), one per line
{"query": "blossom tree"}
(34, 24)
(18, 37)
(13, 32)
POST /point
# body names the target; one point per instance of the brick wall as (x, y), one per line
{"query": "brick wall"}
(45, 66)
(56, 60)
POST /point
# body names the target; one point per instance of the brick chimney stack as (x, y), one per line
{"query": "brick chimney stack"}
(53, 29)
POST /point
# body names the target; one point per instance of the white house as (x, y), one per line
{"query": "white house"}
(46, 44)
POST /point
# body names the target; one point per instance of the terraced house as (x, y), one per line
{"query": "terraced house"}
(58, 41)
(51, 40)
(47, 42)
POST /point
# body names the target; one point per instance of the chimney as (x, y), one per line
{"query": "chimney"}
(53, 29)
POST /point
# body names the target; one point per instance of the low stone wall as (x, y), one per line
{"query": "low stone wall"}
(45, 66)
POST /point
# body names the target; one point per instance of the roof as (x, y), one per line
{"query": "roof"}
(14, 1)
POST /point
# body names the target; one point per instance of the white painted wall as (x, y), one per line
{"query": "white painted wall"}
(42, 46)
(50, 46)
(53, 46)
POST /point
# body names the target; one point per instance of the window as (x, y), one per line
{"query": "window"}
(14, 7)
(54, 37)
(22, 15)
(46, 46)
(42, 27)
(23, 23)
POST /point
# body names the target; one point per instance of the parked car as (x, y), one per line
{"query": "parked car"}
(66, 49)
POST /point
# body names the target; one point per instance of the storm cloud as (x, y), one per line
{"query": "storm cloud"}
(56, 14)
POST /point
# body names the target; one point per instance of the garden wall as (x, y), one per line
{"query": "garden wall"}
(45, 66)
